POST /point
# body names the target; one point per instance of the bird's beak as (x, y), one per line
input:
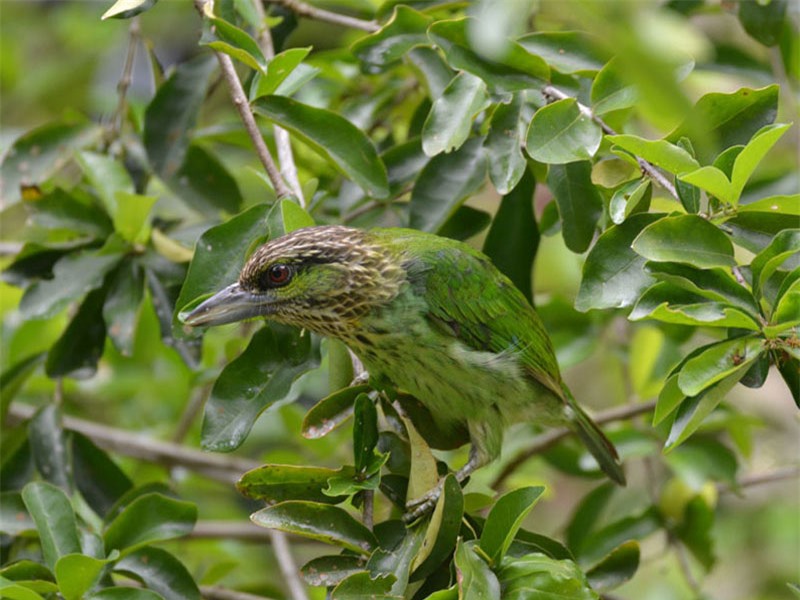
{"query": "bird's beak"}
(226, 306)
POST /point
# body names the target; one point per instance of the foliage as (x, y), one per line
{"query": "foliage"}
(575, 139)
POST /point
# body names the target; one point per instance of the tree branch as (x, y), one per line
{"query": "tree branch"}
(212, 592)
(549, 439)
(551, 94)
(291, 574)
(755, 479)
(312, 12)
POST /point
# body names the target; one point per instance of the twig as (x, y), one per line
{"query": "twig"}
(134, 32)
(215, 466)
(550, 93)
(312, 12)
(369, 509)
(755, 479)
(219, 593)
(686, 568)
(239, 100)
(193, 408)
(551, 438)
(288, 567)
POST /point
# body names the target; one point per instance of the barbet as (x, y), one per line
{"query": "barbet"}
(432, 315)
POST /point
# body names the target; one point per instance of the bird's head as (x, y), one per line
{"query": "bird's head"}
(321, 278)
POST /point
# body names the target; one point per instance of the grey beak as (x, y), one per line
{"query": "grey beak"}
(226, 306)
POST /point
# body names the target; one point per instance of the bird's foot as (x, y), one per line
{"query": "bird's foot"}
(419, 507)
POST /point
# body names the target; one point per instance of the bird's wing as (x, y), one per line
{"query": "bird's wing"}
(471, 300)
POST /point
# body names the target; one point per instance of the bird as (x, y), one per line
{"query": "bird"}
(430, 314)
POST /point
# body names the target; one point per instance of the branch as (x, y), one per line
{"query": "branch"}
(312, 12)
(212, 592)
(226, 469)
(550, 93)
(239, 100)
(755, 479)
(134, 32)
(289, 570)
(549, 439)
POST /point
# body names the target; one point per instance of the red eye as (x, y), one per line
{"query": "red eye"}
(279, 275)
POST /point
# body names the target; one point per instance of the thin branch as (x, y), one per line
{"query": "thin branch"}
(210, 592)
(239, 99)
(686, 569)
(551, 438)
(369, 509)
(312, 12)
(190, 412)
(222, 468)
(756, 479)
(550, 93)
(291, 574)
(134, 33)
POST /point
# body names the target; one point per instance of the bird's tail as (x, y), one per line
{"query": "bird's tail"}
(596, 442)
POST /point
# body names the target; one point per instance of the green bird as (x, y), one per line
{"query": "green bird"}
(430, 314)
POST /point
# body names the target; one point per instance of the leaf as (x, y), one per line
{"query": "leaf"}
(14, 519)
(260, 376)
(76, 574)
(424, 474)
(365, 432)
(504, 146)
(122, 303)
(442, 531)
(364, 585)
(100, 481)
(277, 483)
(77, 352)
(126, 9)
(108, 176)
(172, 114)
(505, 519)
(161, 572)
(566, 51)
(204, 183)
(279, 68)
(475, 580)
(786, 205)
(518, 69)
(123, 593)
(610, 91)
(783, 246)
(764, 22)
(513, 238)
(628, 198)
(14, 377)
(579, 202)
(450, 121)
(661, 153)
(718, 361)
(716, 284)
(686, 239)
(561, 133)
(634, 527)
(10, 589)
(322, 522)
(539, 576)
(444, 183)
(294, 216)
(405, 29)
(433, 68)
(584, 519)
(701, 460)
(618, 567)
(330, 412)
(688, 194)
(465, 223)
(55, 520)
(149, 518)
(695, 531)
(328, 571)
(333, 137)
(49, 448)
(225, 37)
(613, 274)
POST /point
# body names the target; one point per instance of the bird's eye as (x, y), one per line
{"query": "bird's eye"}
(277, 275)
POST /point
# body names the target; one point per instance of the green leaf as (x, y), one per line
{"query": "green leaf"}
(172, 114)
(122, 303)
(322, 522)
(785, 205)
(763, 21)
(661, 153)
(126, 9)
(14, 517)
(108, 176)
(685, 239)
(504, 146)
(634, 527)
(717, 362)
(539, 576)
(236, 43)
(444, 183)
(513, 238)
(55, 520)
(584, 519)
(450, 121)
(505, 519)
(613, 274)
(783, 246)
(616, 568)
(330, 412)
(15, 591)
(149, 518)
(789, 368)
(76, 574)
(123, 593)
(260, 376)
(40, 153)
(100, 481)
(294, 216)
(62, 213)
(465, 223)
(49, 448)
(328, 571)
(365, 432)
(716, 284)
(435, 71)
(161, 572)
(279, 68)
(695, 530)
(277, 483)
(424, 474)
(332, 136)
(566, 51)
(77, 352)
(561, 133)
(475, 580)
(579, 202)
(611, 91)
(517, 70)
(405, 30)
(442, 531)
(204, 183)
(364, 585)
(73, 276)
(630, 198)
(701, 460)
(688, 194)
(14, 377)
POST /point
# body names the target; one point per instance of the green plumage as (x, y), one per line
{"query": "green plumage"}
(432, 315)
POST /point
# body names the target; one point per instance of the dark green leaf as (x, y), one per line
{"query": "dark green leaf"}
(566, 51)
(475, 580)
(685, 239)
(203, 182)
(701, 460)
(14, 517)
(764, 22)
(171, 115)
(405, 29)
(236, 43)
(613, 274)
(330, 412)
(252, 382)
(579, 202)
(539, 576)
(55, 520)
(328, 571)
(13, 378)
(504, 146)
(616, 568)
(121, 306)
(450, 121)
(584, 519)
(149, 518)
(561, 133)
(505, 519)
(688, 194)
(695, 531)
(434, 70)
(329, 524)
(441, 532)
(49, 447)
(716, 284)
(634, 527)
(76, 353)
(514, 236)
(445, 182)
(363, 585)
(161, 572)
(62, 211)
(334, 137)
(365, 432)
(789, 368)
(100, 481)
(465, 223)
(31, 264)
(277, 483)
(527, 542)
(27, 570)
(756, 230)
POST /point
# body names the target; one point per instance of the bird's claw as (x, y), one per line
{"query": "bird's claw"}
(419, 507)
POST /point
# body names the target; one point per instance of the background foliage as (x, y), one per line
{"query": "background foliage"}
(633, 163)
